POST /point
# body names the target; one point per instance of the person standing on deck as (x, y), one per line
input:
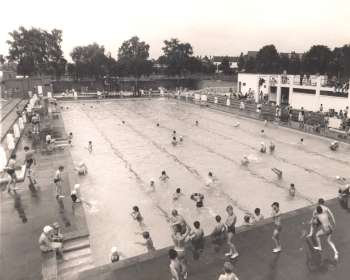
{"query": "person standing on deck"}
(230, 225)
(175, 266)
(276, 217)
(326, 229)
(179, 240)
(58, 181)
(11, 171)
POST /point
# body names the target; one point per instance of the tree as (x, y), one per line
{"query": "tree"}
(340, 64)
(345, 61)
(267, 60)
(294, 66)
(317, 60)
(225, 66)
(37, 51)
(241, 62)
(176, 56)
(133, 58)
(208, 66)
(283, 62)
(2, 59)
(250, 65)
(90, 61)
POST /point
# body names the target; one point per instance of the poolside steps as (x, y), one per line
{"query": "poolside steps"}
(77, 258)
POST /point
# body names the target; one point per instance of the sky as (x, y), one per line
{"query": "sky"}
(213, 27)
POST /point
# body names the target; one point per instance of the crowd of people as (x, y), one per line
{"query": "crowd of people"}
(186, 237)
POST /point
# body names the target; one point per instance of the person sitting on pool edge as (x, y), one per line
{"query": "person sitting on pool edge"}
(334, 145)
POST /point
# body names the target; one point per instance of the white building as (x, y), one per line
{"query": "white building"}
(297, 91)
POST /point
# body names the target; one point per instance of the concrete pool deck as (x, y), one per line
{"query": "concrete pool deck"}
(23, 216)
(256, 261)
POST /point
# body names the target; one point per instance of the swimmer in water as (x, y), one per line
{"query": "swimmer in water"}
(237, 124)
(177, 194)
(272, 147)
(152, 185)
(70, 138)
(174, 141)
(245, 161)
(334, 145)
(148, 241)
(198, 198)
(262, 148)
(123, 122)
(164, 177)
(265, 122)
(262, 132)
(89, 147)
(301, 141)
(211, 179)
(197, 123)
(81, 168)
(292, 191)
(157, 124)
(181, 139)
(137, 215)
(174, 133)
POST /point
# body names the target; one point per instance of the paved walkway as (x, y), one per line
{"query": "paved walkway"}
(256, 261)
(23, 216)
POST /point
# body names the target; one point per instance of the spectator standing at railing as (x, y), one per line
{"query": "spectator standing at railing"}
(321, 108)
(301, 118)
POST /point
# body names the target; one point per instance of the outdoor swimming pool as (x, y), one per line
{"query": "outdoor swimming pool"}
(127, 156)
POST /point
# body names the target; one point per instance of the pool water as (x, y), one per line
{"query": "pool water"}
(126, 156)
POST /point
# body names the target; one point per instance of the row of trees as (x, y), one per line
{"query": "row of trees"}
(38, 52)
(319, 59)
